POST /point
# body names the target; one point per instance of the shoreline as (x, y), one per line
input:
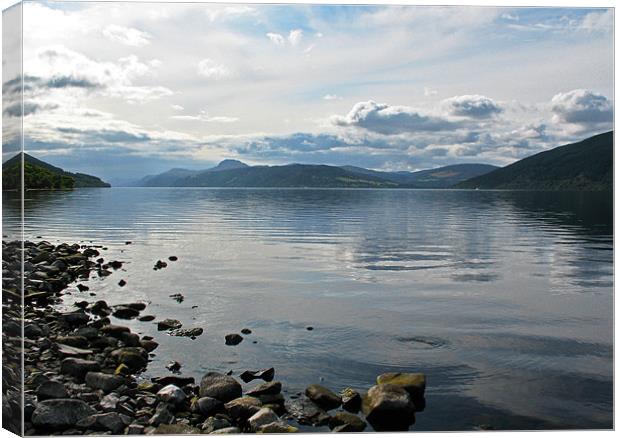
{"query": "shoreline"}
(83, 373)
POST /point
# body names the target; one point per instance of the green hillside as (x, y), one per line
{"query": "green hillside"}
(39, 175)
(586, 165)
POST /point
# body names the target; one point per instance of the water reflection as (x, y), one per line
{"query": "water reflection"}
(500, 297)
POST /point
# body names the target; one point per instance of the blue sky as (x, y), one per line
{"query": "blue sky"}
(122, 90)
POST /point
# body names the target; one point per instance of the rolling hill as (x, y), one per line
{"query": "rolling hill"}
(41, 175)
(585, 165)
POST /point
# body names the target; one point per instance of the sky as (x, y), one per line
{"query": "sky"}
(121, 90)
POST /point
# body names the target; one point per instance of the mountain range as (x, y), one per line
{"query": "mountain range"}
(43, 176)
(233, 173)
(585, 165)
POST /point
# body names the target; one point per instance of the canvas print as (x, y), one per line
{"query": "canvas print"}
(235, 218)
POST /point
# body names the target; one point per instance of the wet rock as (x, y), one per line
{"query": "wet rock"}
(169, 324)
(207, 406)
(159, 265)
(60, 413)
(171, 394)
(242, 408)
(163, 415)
(109, 403)
(219, 386)
(124, 312)
(33, 331)
(82, 288)
(226, 431)
(176, 429)
(135, 358)
(78, 367)
(305, 411)
(135, 429)
(189, 333)
(122, 283)
(178, 297)
(277, 427)
(246, 331)
(130, 339)
(148, 345)
(100, 308)
(346, 422)
(233, 339)
(75, 318)
(51, 389)
(323, 397)
(212, 424)
(73, 341)
(266, 375)
(173, 258)
(146, 318)
(388, 408)
(269, 388)
(81, 304)
(103, 381)
(262, 417)
(413, 383)
(309, 328)
(179, 381)
(87, 332)
(351, 400)
(174, 366)
(115, 264)
(110, 421)
(114, 330)
(67, 350)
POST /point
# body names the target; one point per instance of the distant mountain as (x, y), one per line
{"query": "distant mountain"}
(586, 165)
(41, 175)
(292, 175)
(233, 173)
(441, 177)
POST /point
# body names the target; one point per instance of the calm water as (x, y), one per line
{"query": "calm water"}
(504, 299)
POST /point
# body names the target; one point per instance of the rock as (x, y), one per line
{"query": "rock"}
(226, 431)
(75, 318)
(388, 408)
(135, 429)
(413, 383)
(103, 381)
(130, 339)
(73, 341)
(176, 429)
(351, 400)
(178, 297)
(309, 328)
(100, 308)
(323, 397)
(162, 415)
(115, 264)
(262, 417)
(135, 358)
(109, 403)
(233, 339)
(67, 350)
(32, 331)
(246, 331)
(136, 306)
(169, 324)
(87, 332)
(179, 381)
(148, 345)
(173, 258)
(174, 366)
(219, 386)
(159, 265)
(146, 318)
(271, 399)
(114, 330)
(207, 406)
(270, 388)
(242, 408)
(60, 414)
(110, 421)
(277, 427)
(124, 312)
(190, 333)
(305, 411)
(122, 283)
(266, 374)
(172, 394)
(51, 389)
(82, 288)
(346, 422)
(78, 367)
(214, 423)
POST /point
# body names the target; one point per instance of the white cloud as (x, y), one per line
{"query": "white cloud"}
(203, 116)
(472, 105)
(276, 38)
(387, 119)
(582, 107)
(295, 36)
(219, 12)
(598, 21)
(428, 92)
(212, 70)
(177, 107)
(332, 97)
(126, 35)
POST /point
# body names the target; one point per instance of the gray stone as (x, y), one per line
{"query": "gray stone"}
(60, 413)
(169, 324)
(207, 406)
(351, 400)
(269, 388)
(103, 381)
(262, 417)
(323, 397)
(109, 403)
(219, 386)
(214, 423)
(233, 339)
(242, 408)
(388, 408)
(50, 390)
(176, 429)
(346, 422)
(163, 415)
(172, 394)
(135, 429)
(226, 431)
(78, 367)
(277, 427)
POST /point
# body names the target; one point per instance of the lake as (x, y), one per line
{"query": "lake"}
(503, 299)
